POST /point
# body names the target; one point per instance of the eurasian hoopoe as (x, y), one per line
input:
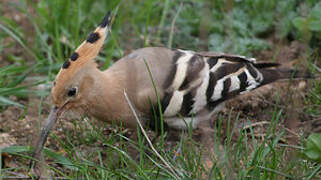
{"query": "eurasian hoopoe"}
(190, 85)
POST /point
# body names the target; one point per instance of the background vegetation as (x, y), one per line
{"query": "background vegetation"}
(40, 35)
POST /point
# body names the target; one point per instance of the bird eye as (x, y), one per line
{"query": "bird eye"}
(72, 92)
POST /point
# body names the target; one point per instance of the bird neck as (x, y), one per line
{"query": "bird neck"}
(105, 96)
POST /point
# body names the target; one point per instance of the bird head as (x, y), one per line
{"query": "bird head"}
(73, 79)
(71, 83)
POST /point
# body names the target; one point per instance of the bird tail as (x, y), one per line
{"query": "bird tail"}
(271, 72)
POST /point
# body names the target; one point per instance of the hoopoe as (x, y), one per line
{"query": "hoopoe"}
(191, 85)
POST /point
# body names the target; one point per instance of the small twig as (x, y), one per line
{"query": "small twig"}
(291, 146)
(292, 132)
(147, 138)
(255, 124)
(13, 175)
(276, 172)
(266, 122)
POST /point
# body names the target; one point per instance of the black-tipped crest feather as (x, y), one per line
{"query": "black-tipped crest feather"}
(106, 21)
(93, 37)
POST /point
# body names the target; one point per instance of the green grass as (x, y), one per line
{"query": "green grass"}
(56, 28)
(88, 153)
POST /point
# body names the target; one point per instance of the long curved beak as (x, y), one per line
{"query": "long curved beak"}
(49, 123)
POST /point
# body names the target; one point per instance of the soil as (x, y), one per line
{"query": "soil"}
(254, 109)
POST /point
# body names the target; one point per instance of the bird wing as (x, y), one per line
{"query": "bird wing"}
(189, 83)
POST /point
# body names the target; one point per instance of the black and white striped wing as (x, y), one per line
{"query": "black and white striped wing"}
(198, 82)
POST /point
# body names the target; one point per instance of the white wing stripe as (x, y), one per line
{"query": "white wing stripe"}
(251, 81)
(217, 94)
(235, 83)
(182, 65)
(219, 64)
(200, 97)
(175, 104)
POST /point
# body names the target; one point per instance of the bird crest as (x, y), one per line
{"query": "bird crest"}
(82, 58)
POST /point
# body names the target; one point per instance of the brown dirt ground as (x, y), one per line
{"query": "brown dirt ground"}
(255, 109)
